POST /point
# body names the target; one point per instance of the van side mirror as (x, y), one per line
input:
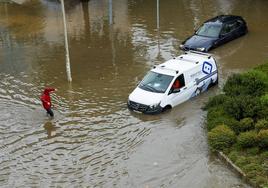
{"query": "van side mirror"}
(177, 90)
(172, 90)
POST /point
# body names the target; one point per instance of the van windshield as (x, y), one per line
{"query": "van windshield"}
(155, 82)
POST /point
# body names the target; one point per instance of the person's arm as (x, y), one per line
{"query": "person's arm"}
(51, 89)
(45, 101)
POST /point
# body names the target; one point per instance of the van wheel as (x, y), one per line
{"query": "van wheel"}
(217, 81)
(168, 107)
(213, 83)
(197, 91)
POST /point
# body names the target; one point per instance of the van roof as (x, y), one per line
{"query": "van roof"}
(182, 63)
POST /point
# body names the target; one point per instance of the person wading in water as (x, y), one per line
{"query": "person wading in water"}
(46, 101)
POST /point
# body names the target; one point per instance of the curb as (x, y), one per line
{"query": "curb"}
(228, 161)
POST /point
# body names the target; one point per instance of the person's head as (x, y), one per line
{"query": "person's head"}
(46, 91)
(176, 84)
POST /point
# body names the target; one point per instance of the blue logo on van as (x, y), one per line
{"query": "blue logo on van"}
(207, 67)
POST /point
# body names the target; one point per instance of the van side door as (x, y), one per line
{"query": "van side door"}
(178, 92)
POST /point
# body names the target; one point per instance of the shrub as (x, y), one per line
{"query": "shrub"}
(264, 105)
(233, 107)
(255, 82)
(234, 155)
(216, 101)
(264, 99)
(263, 68)
(234, 125)
(252, 83)
(243, 106)
(263, 138)
(253, 150)
(253, 167)
(251, 107)
(262, 180)
(215, 112)
(221, 137)
(261, 124)
(242, 161)
(217, 116)
(246, 124)
(247, 139)
(233, 85)
(264, 155)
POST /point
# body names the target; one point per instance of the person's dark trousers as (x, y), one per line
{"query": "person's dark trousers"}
(50, 112)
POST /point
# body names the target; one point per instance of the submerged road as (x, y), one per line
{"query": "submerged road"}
(94, 141)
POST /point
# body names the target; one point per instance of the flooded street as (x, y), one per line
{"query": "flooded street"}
(94, 140)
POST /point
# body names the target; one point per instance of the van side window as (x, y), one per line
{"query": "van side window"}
(179, 82)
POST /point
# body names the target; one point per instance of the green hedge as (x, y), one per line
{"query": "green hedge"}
(216, 101)
(261, 124)
(247, 139)
(217, 116)
(263, 138)
(246, 124)
(243, 106)
(237, 122)
(253, 83)
(221, 137)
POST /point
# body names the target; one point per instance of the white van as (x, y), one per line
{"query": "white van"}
(173, 82)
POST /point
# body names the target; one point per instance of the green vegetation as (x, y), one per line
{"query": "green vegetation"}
(221, 137)
(237, 123)
(247, 139)
(261, 124)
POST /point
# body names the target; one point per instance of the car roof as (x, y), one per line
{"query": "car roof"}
(222, 19)
(182, 63)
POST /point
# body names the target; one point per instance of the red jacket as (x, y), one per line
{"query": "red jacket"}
(176, 84)
(45, 98)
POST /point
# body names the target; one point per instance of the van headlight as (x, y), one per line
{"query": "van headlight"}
(201, 49)
(153, 106)
(181, 46)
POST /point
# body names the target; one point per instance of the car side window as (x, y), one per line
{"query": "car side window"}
(226, 29)
(234, 25)
(238, 23)
(231, 26)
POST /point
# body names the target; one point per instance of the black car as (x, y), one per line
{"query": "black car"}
(215, 32)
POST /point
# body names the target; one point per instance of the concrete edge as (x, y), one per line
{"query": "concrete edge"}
(235, 168)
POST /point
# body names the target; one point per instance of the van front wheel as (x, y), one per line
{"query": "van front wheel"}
(168, 107)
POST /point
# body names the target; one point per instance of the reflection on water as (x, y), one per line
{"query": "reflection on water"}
(94, 140)
(50, 128)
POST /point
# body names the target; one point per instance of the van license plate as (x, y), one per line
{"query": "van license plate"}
(137, 111)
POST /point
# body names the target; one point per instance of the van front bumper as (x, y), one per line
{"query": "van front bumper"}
(146, 109)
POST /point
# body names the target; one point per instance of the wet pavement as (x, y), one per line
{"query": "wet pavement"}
(94, 140)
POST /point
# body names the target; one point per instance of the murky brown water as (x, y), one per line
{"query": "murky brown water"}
(94, 140)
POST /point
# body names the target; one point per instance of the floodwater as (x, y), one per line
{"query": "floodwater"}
(94, 140)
